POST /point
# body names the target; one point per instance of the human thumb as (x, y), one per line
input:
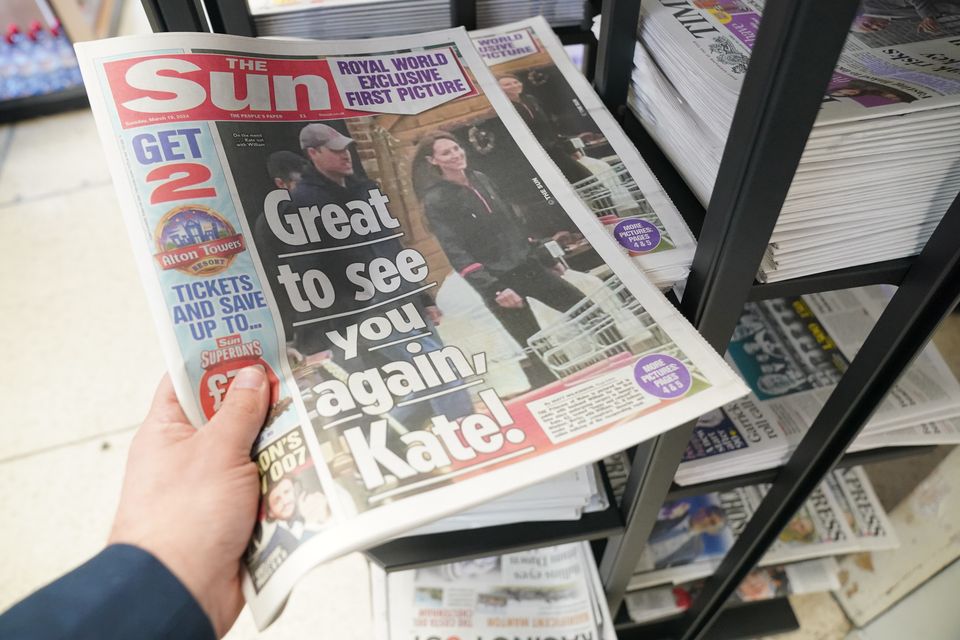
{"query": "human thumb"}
(240, 417)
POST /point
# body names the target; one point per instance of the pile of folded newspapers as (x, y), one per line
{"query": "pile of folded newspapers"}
(879, 168)
(559, 13)
(692, 535)
(763, 583)
(517, 595)
(565, 497)
(792, 351)
(348, 18)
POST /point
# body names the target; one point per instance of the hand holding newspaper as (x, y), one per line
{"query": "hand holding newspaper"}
(372, 223)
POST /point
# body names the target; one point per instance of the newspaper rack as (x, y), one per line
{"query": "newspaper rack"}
(800, 41)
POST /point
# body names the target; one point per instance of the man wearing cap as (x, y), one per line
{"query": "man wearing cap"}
(329, 178)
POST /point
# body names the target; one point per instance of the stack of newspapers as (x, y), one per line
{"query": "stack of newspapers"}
(368, 18)
(879, 169)
(565, 497)
(559, 13)
(348, 18)
(554, 592)
(763, 583)
(792, 351)
(691, 535)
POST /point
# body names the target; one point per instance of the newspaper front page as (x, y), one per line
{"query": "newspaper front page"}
(900, 57)
(372, 223)
(565, 114)
(763, 583)
(793, 351)
(692, 535)
(552, 592)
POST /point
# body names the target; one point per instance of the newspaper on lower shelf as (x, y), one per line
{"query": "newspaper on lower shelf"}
(565, 497)
(333, 213)
(554, 592)
(763, 583)
(565, 114)
(879, 168)
(792, 352)
(691, 535)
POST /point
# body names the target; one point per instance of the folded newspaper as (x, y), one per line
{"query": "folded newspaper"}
(554, 592)
(692, 535)
(792, 352)
(763, 583)
(564, 113)
(879, 168)
(372, 222)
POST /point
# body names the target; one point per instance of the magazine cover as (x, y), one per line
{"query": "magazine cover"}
(442, 320)
(566, 116)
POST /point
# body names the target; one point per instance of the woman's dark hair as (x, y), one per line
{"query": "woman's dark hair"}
(424, 174)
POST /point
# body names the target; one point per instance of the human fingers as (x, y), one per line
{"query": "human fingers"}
(243, 411)
(165, 408)
(513, 299)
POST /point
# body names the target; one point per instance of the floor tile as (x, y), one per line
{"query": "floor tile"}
(81, 356)
(58, 507)
(332, 601)
(820, 617)
(51, 155)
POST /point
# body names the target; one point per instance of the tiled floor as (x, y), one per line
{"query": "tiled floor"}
(81, 362)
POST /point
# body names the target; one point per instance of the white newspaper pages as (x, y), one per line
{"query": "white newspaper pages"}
(879, 168)
(372, 223)
(792, 352)
(541, 594)
(692, 535)
(565, 114)
(763, 583)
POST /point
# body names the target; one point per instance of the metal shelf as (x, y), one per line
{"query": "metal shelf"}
(741, 620)
(768, 476)
(438, 548)
(43, 105)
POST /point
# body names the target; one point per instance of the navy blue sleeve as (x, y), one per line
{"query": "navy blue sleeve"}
(122, 593)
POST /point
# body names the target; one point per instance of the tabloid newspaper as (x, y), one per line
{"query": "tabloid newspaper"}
(372, 223)
(878, 169)
(763, 583)
(900, 57)
(541, 594)
(692, 535)
(792, 351)
(564, 113)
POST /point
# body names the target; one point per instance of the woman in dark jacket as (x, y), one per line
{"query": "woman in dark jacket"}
(483, 238)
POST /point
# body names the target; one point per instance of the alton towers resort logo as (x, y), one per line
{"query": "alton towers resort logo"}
(196, 240)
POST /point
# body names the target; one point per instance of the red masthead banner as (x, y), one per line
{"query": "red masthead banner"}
(197, 86)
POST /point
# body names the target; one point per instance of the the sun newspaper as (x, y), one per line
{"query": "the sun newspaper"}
(564, 113)
(442, 320)
(553, 592)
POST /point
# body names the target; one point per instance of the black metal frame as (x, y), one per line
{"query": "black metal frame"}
(795, 52)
